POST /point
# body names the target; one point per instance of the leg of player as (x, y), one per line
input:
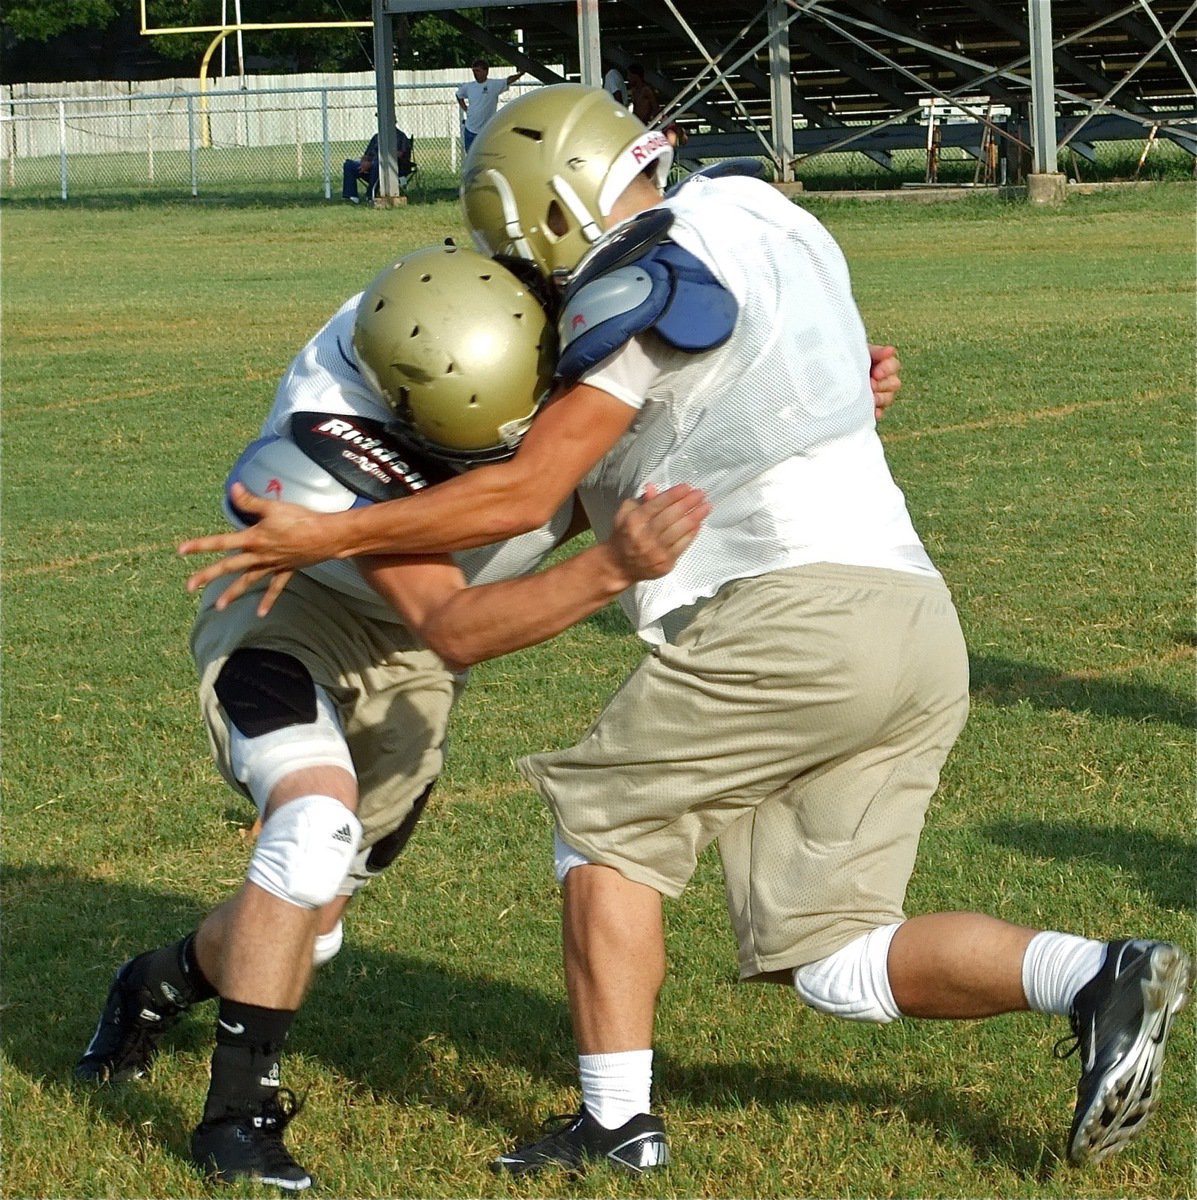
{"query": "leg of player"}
(258, 951)
(146, 997)
(151, 991)
(614, 967)
(1120, 998)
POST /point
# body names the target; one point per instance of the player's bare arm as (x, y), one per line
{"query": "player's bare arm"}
(489, 504)
(467, 625)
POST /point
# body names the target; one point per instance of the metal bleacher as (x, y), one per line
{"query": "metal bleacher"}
(863, 74)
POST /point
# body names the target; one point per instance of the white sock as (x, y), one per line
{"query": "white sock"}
(615, 1087)
(1056, 966)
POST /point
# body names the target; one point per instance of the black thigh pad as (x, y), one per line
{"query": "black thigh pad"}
(387, 849)
(265, 690)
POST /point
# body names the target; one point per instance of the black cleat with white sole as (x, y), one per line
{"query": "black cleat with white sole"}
(249, 1146)
(1121, 1019)
(572, 1141)
(132, 1024)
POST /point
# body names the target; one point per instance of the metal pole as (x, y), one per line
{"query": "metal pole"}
(1043, 88)
(590, 59)
(781, 99)
(240, 46)
(384, 82)
(191, 144)
(327, 147)
(62, 154)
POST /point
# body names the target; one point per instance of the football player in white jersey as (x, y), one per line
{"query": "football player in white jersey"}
(330, 711)
(711, 336)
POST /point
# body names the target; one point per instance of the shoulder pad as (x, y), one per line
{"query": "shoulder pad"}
(278, 469)
(667, 289)
(729, 166)
(371, 458)
(624, 244)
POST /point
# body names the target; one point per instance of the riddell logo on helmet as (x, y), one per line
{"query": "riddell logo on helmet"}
(275, 488)
(644, 150)
(578, 319)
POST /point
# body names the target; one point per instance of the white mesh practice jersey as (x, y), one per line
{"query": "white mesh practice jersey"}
(776, 425)
(324, 377)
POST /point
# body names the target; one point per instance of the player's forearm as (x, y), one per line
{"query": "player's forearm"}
(488, 621)
(486, 506)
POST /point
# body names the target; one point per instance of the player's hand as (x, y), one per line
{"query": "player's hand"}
(884, 375)
(650, 534)
(285, 538)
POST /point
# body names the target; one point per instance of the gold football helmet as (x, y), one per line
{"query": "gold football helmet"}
(460, 348)
(546, 170)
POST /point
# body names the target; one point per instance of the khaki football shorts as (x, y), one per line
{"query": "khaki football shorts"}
(393, 696)
(800, 718)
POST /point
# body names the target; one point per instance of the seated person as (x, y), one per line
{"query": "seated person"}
(366, 167)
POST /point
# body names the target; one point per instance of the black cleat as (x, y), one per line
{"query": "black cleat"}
(1121, 1019)
(251, 1147)
(572, 1141)
(129, 1030)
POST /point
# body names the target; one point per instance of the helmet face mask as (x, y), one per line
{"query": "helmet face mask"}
(542, 177)
(461, 350)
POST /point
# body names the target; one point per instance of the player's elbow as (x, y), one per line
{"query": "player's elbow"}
(456, 648)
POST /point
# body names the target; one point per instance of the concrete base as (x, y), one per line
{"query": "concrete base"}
(1047, 188)
(790, 188)
(389, 201)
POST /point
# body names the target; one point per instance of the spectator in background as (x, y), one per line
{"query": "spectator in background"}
(647, 105)
(355, 170)
(614, 84)
(642, 95)
(478, 98)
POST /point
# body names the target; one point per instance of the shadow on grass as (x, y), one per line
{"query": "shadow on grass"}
(1164, 867)
(399, 1027)
(1008, 681)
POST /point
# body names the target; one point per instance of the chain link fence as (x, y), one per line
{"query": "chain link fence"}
(286, 139)
(219, 141)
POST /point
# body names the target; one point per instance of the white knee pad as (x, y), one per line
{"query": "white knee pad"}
(565, 857)
(304, 850)
(854, 981)
(260, 762)
(328, 945)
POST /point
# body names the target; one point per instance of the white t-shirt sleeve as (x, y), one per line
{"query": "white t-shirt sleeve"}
(629, 372)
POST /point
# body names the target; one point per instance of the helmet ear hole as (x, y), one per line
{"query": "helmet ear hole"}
(555, 221)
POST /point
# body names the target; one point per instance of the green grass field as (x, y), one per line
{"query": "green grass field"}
(1044, 437)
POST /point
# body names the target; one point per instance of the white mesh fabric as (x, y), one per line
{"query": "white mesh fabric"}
(776, 425)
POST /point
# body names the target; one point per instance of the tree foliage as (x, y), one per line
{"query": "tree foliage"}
(422, 41)
(40, 20)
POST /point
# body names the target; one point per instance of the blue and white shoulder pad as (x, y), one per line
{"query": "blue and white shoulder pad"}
(665, 288)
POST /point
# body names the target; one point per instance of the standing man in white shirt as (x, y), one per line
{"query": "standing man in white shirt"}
(614, 85)
(478, 98)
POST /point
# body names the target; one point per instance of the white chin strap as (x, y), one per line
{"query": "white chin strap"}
(516, 244)
(572, 201)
